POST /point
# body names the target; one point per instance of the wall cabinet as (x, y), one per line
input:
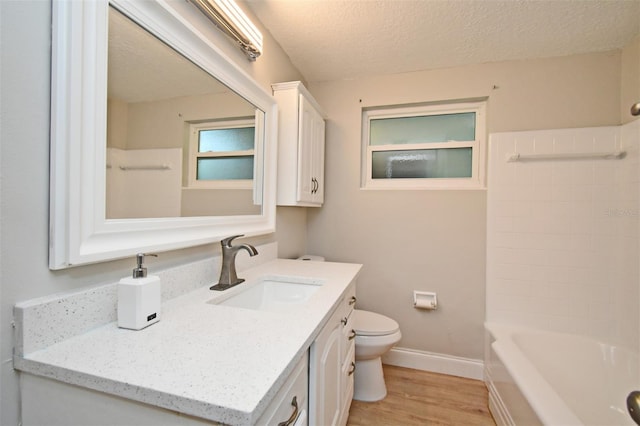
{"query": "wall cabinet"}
(331, 366)
(301, 136)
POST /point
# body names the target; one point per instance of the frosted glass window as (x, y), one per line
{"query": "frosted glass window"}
(419, 164)
(429, 146)
(221, 154)
(423, 129)
(222, 140)
(225, 168)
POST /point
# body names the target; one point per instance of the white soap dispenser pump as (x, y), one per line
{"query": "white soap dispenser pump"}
(139, 298)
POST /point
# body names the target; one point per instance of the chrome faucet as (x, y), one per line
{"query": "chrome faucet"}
(228, 275)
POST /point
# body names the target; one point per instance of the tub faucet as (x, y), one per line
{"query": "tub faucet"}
(228, 276)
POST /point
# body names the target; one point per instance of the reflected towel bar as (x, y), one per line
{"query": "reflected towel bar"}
(159, 167)
(617, 155)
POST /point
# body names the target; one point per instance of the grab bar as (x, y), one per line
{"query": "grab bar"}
(616, 155)
(158, 167)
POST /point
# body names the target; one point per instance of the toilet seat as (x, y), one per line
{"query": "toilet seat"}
(372, 324)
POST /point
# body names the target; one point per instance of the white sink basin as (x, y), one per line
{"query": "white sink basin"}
(270, 295)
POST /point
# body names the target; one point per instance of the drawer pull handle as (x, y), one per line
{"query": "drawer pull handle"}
(353, 335)
(352, 301)
(344, 321)
(294, 415)
(353, 368)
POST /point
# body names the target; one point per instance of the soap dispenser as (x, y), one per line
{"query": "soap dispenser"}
(139, 298)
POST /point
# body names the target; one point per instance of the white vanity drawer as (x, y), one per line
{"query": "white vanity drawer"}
(347, 320)
(349, 364)
(289, 407)
(348, 337)
(347, 305)
(349, 301)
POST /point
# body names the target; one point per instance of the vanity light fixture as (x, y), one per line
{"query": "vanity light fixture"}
(228, 16)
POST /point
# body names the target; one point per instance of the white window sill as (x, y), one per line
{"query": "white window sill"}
(426, 188)
(448, 184)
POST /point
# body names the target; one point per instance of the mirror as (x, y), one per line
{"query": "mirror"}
(175, 134)
(168, 128)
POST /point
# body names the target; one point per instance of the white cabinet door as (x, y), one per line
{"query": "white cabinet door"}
(305, 150)
(310, 153)
(325, 382)
(301, 131)
(348, 368)
(331, 366)
(317, 160)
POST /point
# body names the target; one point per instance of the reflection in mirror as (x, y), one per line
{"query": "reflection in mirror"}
(179, 143)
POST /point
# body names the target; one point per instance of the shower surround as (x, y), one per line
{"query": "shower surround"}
(562, 242)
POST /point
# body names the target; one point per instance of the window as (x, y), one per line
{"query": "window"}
(222, 154)
(424, 147)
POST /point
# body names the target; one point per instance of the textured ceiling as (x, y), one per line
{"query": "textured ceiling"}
(342, 39)
(142, 69)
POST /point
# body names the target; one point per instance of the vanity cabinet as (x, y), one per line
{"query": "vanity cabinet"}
(109, 376)
(331, 366)
(54, 403)
(289, 407)
(301, 139)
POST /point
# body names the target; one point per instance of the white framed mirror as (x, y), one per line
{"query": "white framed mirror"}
(147, 189)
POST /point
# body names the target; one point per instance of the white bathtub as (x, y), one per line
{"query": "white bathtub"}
(540, 377)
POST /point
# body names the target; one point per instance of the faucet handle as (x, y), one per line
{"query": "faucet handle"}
(227, 241)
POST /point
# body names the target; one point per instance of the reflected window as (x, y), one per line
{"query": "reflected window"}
(424, 146)
(222, 154)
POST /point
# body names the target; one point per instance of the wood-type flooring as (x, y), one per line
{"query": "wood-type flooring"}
(417, 397)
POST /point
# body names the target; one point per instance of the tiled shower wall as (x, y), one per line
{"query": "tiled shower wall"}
(562, 236)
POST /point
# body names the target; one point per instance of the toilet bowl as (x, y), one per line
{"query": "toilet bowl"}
(375, 335)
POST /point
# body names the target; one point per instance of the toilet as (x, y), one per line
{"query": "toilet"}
(375, 335)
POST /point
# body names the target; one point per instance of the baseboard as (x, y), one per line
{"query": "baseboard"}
(436, 363)
(498, 411)
(497, 408)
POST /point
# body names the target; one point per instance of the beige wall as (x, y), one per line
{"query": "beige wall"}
(435, 240)
(630, 79)
(162, 124)
(117, 123)
(218, 202)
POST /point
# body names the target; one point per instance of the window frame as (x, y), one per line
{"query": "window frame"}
(195, 155)
(478, 146)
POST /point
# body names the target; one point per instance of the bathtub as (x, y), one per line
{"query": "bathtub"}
(540, 377)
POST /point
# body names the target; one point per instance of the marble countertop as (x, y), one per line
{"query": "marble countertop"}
(219, 363)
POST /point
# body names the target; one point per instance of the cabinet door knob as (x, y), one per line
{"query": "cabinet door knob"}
(353, 368)
(352, 300)
(352, 335)
(294, 415)
(344, 321)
